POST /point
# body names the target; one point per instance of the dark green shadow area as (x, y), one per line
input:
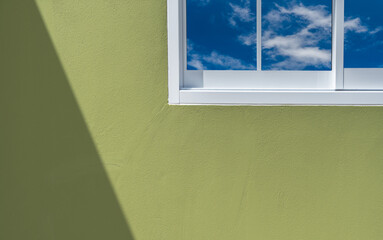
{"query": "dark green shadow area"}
(52, 182)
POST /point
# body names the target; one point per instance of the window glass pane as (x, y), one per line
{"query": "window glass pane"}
(296, 35)
(363, 27)
(221, 35)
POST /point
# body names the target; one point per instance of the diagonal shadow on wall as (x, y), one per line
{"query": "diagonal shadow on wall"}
(52, 182)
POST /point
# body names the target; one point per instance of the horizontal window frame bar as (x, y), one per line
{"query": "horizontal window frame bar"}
(363, 78)
(232, 79)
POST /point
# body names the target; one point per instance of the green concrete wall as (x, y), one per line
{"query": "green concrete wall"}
(89, 148)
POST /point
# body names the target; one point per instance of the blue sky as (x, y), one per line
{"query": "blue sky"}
(364, 34)
(214, 30)
(296, 35)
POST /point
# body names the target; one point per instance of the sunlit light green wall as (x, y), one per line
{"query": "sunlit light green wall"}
(90, 149)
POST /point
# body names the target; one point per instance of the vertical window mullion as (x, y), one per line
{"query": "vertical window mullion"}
(259, 35)
(183, 53)
(338, 43)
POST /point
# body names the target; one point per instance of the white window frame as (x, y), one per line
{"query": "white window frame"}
(340, 86)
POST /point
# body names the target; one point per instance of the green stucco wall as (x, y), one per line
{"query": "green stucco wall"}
(89, 148)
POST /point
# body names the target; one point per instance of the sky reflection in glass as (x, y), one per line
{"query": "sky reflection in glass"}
(296, 35)
(221, 35)
(363, 34)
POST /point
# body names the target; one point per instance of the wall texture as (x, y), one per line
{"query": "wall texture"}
(89, 148)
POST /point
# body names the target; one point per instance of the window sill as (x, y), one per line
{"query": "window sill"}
(275, 97)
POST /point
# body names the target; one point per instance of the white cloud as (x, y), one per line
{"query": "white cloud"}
(241, 13)
(226, 61)
(317, 16)
(307, 55)
(376, 30)
(299, 49)
(202, 2)
(249, 39)
(356, 25)
(274, 17)
(197, 64)
(198, 60)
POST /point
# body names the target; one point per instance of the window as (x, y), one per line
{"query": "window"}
(315, 52)
(363, 50)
